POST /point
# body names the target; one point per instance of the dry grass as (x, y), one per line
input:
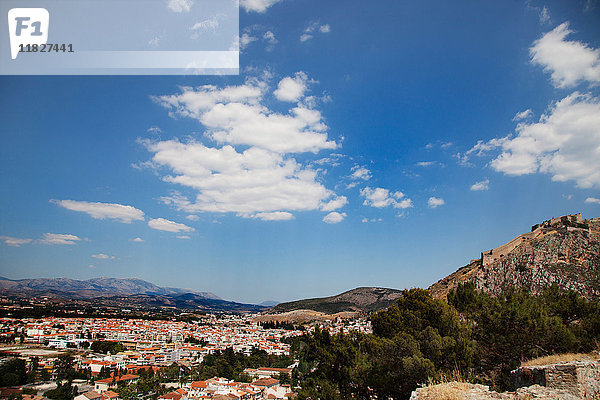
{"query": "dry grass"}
(446, 391)
(559, 358)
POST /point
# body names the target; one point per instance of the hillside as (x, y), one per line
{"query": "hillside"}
(364, 299)
(563, 251)
(96, 287)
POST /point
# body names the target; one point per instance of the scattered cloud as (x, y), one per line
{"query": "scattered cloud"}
(162, 224)
(481, 185)
(193, 217)
(273, 216)
(207, 25)
(523, 115)
(367, 220)
(544, 16)
(179, 6)
(91, 266)
(334, 217)
(14, 242)
(564, 143)
(183, 237)
(246, 39)
(380, 198)
(118, 212)
(592, 200)
(102, 256)
(360, 173)
(334, 204)
(136, 240)
(435, 202)
(312, 29)
(256, 33)
(154, 129)
(259, 6)
(57, 238)
(292, 89)
(568, 62)
(154, 41)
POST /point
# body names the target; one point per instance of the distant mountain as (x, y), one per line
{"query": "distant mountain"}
(96, 287)
(563, 251)
(363, 299)
(269, 303)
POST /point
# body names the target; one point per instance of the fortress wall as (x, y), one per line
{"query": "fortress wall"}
(494, 254)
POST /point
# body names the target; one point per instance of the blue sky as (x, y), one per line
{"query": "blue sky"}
(379, 143)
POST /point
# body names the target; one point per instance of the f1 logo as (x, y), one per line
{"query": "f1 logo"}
(27, 26)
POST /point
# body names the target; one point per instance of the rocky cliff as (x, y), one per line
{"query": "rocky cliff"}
(564, 251)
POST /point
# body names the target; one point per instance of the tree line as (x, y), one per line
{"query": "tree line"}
(473, 335)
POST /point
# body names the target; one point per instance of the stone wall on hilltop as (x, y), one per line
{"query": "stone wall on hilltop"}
(565, 254)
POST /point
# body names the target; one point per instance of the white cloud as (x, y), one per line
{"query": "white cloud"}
(481, 185)
(523, 115)
(102, 256)
(179, 6)
(183, 237)
(118, 212)
(91, 266)
(380, 197)
(273, 216)
(426, 163)
(334, 204)
(154, 41)
(246, 39)
(334, 217)
(259, 6)
(564, 143)
(13, 241)
(193, 217)
(312, 28)
(136, 240)
(367, 220)
(57, 238)
(305, 36)
(360, 173)
(435, 202)
(235, 116)
(544, 15)
(207, 25)
(292, 89)
(568, 62)
(592, 200)
(263, 176)
(162, 224)
(269, 36)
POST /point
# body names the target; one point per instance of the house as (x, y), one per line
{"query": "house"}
(93, 395)
(109, 383)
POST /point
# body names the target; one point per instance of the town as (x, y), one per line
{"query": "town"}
(214, 356)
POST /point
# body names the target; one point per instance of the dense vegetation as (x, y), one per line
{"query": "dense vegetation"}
(474, 335)
(107, 346)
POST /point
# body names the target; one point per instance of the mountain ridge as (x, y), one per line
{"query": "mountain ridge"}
(94, 287)
(361, 299)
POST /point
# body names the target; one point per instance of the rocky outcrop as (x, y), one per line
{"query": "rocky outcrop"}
(564, 251)
(580, 379)
(468, 391)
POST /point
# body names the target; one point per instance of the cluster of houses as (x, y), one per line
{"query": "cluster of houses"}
(224, 389)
